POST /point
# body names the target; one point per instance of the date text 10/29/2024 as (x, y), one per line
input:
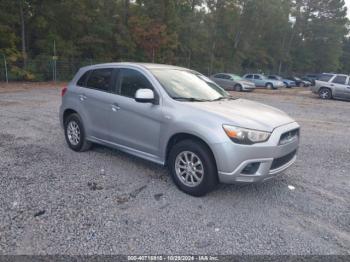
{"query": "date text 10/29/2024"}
(173, 258)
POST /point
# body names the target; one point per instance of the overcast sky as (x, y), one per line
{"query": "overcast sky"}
(348, 5)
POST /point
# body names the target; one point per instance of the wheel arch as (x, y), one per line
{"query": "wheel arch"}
(67, 112)
(178, 137)
(326, 87)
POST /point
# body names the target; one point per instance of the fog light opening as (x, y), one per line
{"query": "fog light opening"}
(251, 168)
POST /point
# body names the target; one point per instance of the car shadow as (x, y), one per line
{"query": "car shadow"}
(161, 173)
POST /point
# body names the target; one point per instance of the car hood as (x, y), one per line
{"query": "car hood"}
(246, 114)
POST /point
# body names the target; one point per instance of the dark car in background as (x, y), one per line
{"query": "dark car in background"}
(298, 81)
(311, 78)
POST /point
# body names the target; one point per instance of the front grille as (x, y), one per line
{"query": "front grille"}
(278, 162)
(289, 136)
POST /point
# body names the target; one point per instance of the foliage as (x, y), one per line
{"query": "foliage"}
(279, 36)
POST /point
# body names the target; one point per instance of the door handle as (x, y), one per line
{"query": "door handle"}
(82, 97)
(331, 85)
(115, 107)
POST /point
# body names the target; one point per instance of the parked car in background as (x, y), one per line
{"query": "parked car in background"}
(262, 81)
(287, 82)
(308, 82)
(310, 78)
(298, 81)
(332, 86)
(232, 82)
(149, 111)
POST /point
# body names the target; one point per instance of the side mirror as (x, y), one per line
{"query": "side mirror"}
(144, 96)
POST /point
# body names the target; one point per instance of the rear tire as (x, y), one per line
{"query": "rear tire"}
(238, 88)
(75, 133)
(193, 168)
(325, 93)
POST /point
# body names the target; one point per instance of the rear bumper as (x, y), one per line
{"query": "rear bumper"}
(60, 114)
(315, 89)
(269, 159)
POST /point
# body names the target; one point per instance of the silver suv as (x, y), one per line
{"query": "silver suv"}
(177, 117)
(332, 86)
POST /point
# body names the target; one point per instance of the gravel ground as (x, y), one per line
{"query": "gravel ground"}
(56, 201)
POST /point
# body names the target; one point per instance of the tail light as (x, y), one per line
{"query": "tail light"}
(64, 90)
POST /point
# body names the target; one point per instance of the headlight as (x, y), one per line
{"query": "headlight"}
(245, 136)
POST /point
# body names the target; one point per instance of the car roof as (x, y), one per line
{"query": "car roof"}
(148, 66)
(339, 75)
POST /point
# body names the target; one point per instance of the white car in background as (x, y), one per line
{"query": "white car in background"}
(262, 81)
(232, 82)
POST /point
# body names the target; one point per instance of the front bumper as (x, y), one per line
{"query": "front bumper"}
(269, 158)
(248, 88)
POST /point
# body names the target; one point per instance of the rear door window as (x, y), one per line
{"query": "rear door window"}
(100, 79)
(341, 80)
(131, 81)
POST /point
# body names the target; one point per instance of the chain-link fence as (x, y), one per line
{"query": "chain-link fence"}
(42, 69)
(52, 69)
(48, 68)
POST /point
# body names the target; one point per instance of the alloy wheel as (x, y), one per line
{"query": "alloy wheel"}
(73, 133)
(189, 168)
(325, 93)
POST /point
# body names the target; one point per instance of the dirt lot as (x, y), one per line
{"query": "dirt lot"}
(56, 201)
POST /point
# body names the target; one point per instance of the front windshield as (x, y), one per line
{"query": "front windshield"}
(189, 85)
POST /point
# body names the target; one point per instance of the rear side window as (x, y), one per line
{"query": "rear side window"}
(340, 80)
(100, 79)
(132, 80)
(325, 77)
(82, 81)
(219, 76)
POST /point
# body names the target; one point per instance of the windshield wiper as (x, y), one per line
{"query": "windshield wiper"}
(191, 99)
(224, 97)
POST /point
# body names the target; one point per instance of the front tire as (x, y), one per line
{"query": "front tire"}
(75, 133)
(325, 93)
(269, 86)
(193, 168)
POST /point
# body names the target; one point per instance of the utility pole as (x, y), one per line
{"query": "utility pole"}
(54, 64)
(6, 75)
